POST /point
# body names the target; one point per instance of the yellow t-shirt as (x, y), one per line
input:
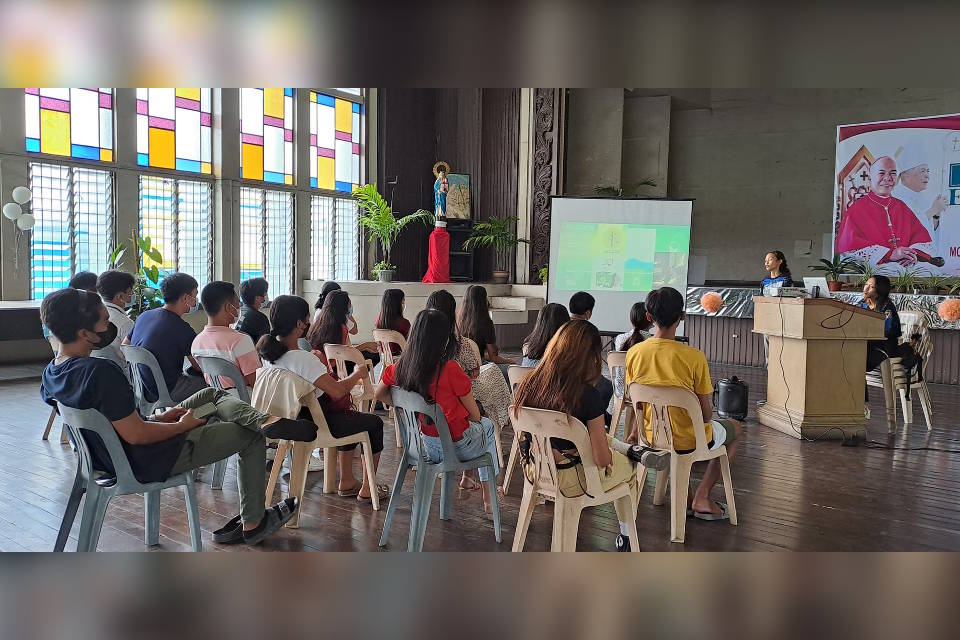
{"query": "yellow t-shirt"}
(668, 363)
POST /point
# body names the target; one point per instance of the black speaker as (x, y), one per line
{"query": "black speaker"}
(461, 260)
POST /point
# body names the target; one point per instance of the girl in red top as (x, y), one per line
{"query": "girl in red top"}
(331, 328)
(428, 368)
(391, 316)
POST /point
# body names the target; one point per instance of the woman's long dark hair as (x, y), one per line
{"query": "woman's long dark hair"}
(571, 360)
(328, 329)
(474, 314)
(425, 354)
(638, 318)
(882, 285)
(328, 286)
(549, 320)
(444, 302)
(391, 308)
(784, 269)
(286, 312)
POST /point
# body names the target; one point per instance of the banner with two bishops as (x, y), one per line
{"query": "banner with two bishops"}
(897, 195)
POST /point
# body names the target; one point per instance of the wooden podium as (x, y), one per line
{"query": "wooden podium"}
(817, 363)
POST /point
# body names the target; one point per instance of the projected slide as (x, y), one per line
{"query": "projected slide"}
(597, 256)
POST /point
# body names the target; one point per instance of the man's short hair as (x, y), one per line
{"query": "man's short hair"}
(215, 294)
(250, 289)
(176, 285)
(85, 280)
(581, 302)
(665, 306)
(67, 311)
(114, 281)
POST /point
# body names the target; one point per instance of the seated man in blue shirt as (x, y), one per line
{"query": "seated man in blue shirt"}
(173, 442)
(164, 333)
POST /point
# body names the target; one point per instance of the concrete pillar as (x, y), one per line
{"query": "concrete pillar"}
(524, 190)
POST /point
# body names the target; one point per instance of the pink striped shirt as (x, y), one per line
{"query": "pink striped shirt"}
(229, 344)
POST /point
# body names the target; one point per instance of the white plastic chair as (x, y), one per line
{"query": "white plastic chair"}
(215, 368)
(281, 393)
(543, 425)
(515, 373)
(891, 377)
(912, 322)
(339, 355)
(384, 339)
(660, 398)
(618, 360)
(138, 357)
(64, 437)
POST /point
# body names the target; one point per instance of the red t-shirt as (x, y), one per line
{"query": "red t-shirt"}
(401, 326)
(451, 385)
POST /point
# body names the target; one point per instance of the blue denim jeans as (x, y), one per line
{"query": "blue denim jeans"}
(478, 439)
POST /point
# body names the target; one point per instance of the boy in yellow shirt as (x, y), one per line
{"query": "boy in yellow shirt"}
(662, 361)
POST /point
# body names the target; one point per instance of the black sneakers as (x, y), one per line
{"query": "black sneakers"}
(656, 459)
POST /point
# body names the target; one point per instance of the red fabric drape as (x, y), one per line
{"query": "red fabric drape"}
(438, 259)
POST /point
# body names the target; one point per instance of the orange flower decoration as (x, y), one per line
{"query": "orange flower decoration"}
(949, 310)
(711, 301)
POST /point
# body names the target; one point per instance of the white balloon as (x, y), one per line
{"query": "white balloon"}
(26, 222)
(12, 210)
(22, 195)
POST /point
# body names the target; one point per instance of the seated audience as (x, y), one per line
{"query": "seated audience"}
(219, 340)
(581, 305)
(549, 320)
(290, 319)
(641, 331)
(391, 316)
(474, 322)
(427, 367)
(876, 297)
(85, 281)
(331, 328)
(252, 321)
(490, 388)
(561, 382)
(164, 333)
(663, 361)
(329, 286)
(173, 442)
(581, 308)
(116, 289)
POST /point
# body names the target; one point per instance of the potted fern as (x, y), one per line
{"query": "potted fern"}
(833, 269)
(383, 226)
(498, 234)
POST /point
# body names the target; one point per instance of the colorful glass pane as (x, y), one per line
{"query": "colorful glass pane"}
(335, 142)
(173, 129)
(76, 123)
(266, 135)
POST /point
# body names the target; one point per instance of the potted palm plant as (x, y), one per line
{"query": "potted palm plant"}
(383, 226)
(498, 234)
(833, 269)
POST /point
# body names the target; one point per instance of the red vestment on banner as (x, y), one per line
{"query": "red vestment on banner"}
(438, 258)
(865, 224)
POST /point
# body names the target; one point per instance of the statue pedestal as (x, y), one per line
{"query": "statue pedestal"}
(438, 257)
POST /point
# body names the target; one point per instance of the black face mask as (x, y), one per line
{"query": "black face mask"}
(106, 337)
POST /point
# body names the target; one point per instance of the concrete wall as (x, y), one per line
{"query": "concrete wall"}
(760, 165)
(594, 140)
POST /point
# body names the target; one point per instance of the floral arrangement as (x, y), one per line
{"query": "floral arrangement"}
(949, 310)
(711, 301)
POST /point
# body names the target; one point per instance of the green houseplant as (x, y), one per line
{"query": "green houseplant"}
(833, 269)
(378, 219)
(543, 274)
(907, 280)
(933, 284)
(146, 287)
(496, 233)
(864, 271)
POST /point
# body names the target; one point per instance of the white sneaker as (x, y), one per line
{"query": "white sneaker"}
(271, 454)
(866, 411)
(315, 464)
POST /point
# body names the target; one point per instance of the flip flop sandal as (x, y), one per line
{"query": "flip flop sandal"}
(273, 518)
(473, 486)
(230, 533)
(349, 493)
(710, 517)
(383, 492)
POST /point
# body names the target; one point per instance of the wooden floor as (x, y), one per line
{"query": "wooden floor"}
(804, 496)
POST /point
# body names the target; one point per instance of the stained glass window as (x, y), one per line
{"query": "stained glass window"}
(176, 215)
(76, 123)
(334, 240)
(336, 142)
(267, 238)
(266, 135)
(73, 209)
(173, 129)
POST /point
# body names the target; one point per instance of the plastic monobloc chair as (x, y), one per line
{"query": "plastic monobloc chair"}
(217, 368)
(385, 339)
(100, 488)
(408, 405)
(138, 357)
(515, 373)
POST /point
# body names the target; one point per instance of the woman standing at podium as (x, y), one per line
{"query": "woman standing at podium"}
(776, 264)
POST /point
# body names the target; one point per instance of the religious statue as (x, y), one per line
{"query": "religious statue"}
(438, 254)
